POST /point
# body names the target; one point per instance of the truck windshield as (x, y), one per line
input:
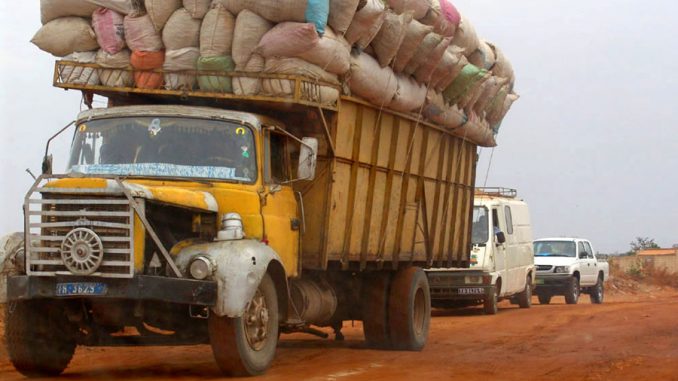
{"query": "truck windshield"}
(164, 147)
(554, 249)
(481, 228)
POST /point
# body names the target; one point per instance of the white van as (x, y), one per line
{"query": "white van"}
(502, 259)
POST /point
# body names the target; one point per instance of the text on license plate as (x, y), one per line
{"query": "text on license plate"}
(471, 291)
(81, 289)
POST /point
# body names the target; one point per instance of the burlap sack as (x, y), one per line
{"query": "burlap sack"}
(410, 95)
(126, 7)
(117, 70)
(419, 8)
(65, 36)
(110, 30)
(295, 66)
(443, 17)
(341, 14)
(181, 31)
(366, 24)
(332, 53)
(161, 10)
(370, 81)
(216, 33)
(424, 73)
(288, 39)
(197, 8)
(80, 75)
(490, 90)
(249, 85)
(416, 32)
(483, 56)
(180, 66)
(477, 131)
(466, 37)
(391, 35)
(54, 9)
(449, 68)
(437, 112)
(502, 67)
(141, 35)
(423, 52)
(249, 29)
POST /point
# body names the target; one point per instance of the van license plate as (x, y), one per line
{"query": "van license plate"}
(81, 289)
(471, 291)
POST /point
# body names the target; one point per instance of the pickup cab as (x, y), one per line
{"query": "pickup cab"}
(568, 266)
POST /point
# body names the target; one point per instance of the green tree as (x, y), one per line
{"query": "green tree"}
(642, 243)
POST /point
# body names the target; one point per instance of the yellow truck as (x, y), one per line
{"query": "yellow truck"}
(192, 217)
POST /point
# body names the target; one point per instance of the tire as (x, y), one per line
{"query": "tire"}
(375, 293)
(40, 339)
(544, 299)
(573, 291)
(490, 304)
(409, 309)
(525, 297)
(598, 291)
(246, 346)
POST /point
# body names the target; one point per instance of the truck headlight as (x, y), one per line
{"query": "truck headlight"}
(201, 268)
(562, 269)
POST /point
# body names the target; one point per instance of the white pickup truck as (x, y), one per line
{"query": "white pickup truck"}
(568, 266)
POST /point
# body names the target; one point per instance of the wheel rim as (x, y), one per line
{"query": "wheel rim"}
(419, 312)
(575, 290)
(256, 319)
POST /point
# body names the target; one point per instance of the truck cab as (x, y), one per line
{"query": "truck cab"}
(501, 259)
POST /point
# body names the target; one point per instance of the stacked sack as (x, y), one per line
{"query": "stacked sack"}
(409, 56)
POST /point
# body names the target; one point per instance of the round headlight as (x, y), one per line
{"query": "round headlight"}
(200, 268)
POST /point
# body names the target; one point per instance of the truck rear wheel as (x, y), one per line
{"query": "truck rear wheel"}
(572, 292)
(409, 309)
(374, 302)
(40, 339)
(525, 297)
(598, 292)
(246, 346)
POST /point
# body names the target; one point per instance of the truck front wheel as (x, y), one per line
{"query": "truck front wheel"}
(409, 309)
(572, 292)
(245, 346)
(40, 339)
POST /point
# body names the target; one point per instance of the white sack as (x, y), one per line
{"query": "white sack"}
(296, 66)
(332, 53)
(410, 95)
(80, 75)
(197, 8)
(178, 61)
(249, 85)
(66, 35)
(54, 9)
(216, 33)
(161, 10)
(117, 72)
(372, 82)
(141, 35)
(181, 31)
(391, 35)
(249, 29)
(341, 14)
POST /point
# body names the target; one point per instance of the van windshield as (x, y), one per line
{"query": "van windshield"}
(164, 147)
(555, 249)
(481, 228)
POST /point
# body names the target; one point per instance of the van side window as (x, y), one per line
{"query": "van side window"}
(509, 220)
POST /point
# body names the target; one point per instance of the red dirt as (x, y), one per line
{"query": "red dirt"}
(633, 336)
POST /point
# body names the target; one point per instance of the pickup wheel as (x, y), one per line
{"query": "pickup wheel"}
(544, 299)
(245, 346)
(490, 303)
(40, 339)
(525, 297)
(598, 291)
(409, 309)
(374, 302)
(572, 292)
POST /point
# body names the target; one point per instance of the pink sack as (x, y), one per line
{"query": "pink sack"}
(288, 39)
(450, 12)
(110, 30)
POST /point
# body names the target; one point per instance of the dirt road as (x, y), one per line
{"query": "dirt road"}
(630, 337)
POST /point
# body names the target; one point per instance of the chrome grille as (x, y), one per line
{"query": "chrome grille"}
(51, 217)
(544, 267)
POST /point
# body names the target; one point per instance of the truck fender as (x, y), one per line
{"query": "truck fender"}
(239, 266)
(9, 247)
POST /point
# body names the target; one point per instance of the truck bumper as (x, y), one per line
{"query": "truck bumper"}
(552, 283)
(142, 287)
(448, 286)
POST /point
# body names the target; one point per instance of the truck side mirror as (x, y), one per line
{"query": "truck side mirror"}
(308, 159)
(501, 237)
(47, 165)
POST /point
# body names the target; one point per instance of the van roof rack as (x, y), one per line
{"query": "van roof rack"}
(497, 192)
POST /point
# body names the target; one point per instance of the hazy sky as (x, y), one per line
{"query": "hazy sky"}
(591, 145)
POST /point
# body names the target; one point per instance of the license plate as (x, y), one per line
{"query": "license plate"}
(81, 289)
(471, 291)
(540, 281)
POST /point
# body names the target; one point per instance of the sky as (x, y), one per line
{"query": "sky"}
(591, 144)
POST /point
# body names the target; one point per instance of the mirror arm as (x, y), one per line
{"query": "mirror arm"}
(290, 136)
(55, 135)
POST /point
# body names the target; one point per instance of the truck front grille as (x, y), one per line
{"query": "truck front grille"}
(56, 221)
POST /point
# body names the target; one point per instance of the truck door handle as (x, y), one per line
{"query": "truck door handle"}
(295, 224)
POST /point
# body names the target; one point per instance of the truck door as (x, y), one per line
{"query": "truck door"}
(587, 267)
(498, 224)
(280, 209)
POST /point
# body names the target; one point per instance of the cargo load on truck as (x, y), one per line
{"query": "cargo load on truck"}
(417, 57)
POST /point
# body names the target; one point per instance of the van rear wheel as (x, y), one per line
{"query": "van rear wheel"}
(246, 346)
(525, 297)
(409, 309)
